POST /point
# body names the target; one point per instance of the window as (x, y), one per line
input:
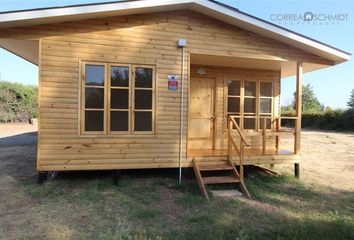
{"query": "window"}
(249, 121)
(265, 103)
(233, 99)
(94, 98)
(117, 99)
(256, 97)
(143, 99)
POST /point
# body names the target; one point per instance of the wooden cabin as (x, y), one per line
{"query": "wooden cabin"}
(162, 84)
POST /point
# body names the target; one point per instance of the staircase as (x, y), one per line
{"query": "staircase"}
(230, 175)
(224, 166)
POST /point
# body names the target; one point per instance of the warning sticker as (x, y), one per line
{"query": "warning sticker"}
(172, 82)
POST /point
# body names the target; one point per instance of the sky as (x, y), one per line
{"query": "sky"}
(332, 86)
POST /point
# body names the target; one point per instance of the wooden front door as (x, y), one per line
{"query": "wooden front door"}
(201, 113)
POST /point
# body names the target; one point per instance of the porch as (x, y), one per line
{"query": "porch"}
(274, 146)
(234, 112)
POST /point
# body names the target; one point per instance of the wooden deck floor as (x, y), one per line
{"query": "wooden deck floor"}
(223, 152)
(252, 156)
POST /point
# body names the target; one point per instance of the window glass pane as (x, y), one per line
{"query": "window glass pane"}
(250, 105)
(119, 98)
(143, 121)
(119, 121)
(143, 77)
(94, 121)
(266, 89)
(94, 98)
(94, 75)
(233, 104)
(250, 88)
(268, 123)
(266, 105)
(143, 99)
(234, 88)
(119, 76)
(249, 123)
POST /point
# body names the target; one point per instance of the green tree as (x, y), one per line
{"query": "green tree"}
(17, 102)
(350, 103)
(310, 102)
(287, 109)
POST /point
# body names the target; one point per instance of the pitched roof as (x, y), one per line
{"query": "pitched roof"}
(211, 8)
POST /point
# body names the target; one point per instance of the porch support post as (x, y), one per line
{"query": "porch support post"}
(297, 145)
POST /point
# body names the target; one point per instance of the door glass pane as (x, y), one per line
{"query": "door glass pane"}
(119, 121)
(143, 99)
(250, 105)
(143, 77)
(268, 123)
(237, 120)
(119, 98)
(94, 75)
(249, 123)
(250, 88)
(94, 121)
(94, 98)
(234, 88)
(266, 105)
(119, 76)
(143, 121)
(233, 104)
(266, 89)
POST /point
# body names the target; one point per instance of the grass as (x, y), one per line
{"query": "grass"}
(156, 207)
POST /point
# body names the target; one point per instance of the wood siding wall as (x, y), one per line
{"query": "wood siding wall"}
(138, 39)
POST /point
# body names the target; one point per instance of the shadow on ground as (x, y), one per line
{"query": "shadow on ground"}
(150, 204)
(18, 155)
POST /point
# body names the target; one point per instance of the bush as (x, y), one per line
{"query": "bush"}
(327, 120)
(18, 103)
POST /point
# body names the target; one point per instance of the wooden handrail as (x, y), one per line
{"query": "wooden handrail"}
(289, 118)
(277, 121)
(239, 131)
(231, 143)
(276, 118)
(263, 128)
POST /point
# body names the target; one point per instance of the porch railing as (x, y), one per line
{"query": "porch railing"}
(275, 130)
(231, 144)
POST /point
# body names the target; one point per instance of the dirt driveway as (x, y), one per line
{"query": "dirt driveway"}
(327, 159)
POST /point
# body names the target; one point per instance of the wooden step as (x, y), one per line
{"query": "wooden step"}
(220, 180)
(215, 167)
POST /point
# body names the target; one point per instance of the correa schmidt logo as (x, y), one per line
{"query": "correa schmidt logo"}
(309, 18)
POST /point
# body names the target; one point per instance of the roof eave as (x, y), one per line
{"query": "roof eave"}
(249, 22)
(208, 7)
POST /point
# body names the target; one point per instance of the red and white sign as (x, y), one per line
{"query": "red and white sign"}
(172, 82)
(172, 85)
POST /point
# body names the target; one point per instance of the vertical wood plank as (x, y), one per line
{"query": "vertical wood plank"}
(299, 77)
(242, 154)
(277, 138)
(39, 100)
(229, 140)
(264, 126)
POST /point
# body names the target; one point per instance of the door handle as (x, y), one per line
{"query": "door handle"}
(212, 117)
